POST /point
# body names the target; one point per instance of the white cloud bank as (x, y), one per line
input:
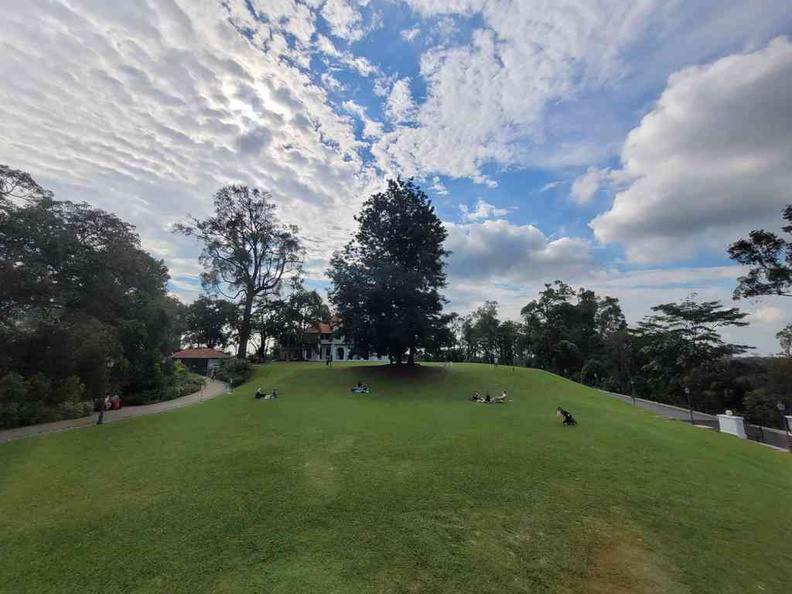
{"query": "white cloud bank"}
(711, 161)
(498, 251)
(147, 108)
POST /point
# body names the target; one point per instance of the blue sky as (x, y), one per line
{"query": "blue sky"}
(618, 145)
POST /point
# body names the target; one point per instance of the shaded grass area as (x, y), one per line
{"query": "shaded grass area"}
(411, 488)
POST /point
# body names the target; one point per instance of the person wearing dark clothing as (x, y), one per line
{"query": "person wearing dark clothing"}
(567, 416)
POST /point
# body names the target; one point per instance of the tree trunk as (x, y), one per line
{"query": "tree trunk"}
(244, 327)
(411, 357)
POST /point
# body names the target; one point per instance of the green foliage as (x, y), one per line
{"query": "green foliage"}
(683, 336)
(246, 250)
(785, 338)
(410, 489)
(234, 372)
(79, 298)
(759, 408)
(770, 260)
(294, 321)
(210, 322)
(37, 400)
(386, 281)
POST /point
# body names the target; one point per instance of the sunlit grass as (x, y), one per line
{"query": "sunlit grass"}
(411, 488)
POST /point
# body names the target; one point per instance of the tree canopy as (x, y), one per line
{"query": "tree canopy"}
(246, 250)
(386, 282)
(82, 306)
(210, 322)
(770, 260)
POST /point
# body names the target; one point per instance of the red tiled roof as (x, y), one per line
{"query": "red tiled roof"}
(200, 354)
(323, 329)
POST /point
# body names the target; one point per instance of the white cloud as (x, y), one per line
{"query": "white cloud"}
(550, 186)
(498, 251)
(768, 315)
(585, 186)
(710, 162)
(410, 34)
(344, 19)
(482, 210)
(486, 100)
(484, 180)
(146, 110)
(401, 107)
(438, 187)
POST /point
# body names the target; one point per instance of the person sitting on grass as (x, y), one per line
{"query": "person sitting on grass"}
(476, 397)
(488, 398)
(501, 399)
(361, 388)
(567, 416)
(261, 396)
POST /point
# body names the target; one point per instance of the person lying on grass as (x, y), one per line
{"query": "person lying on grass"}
(361, 388)
(500, 399)
(567, 416)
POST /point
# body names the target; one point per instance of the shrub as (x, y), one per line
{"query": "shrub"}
(235, 372)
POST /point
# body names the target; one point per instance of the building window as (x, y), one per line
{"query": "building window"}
(340, 354)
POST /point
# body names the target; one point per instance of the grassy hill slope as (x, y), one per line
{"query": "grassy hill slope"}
(411, 488)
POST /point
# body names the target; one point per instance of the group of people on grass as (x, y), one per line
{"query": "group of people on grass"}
(363, 388)
(487, 399)
(262, 396)
(108, 402)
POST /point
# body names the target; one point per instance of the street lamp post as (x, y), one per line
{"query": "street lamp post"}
(632, 386)
(596, 380)
(690, 404)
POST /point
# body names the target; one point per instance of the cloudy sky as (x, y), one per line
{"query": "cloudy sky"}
(616, 144)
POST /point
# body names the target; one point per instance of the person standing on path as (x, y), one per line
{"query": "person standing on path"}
(495, 361)
(99, 403)
(329, 361)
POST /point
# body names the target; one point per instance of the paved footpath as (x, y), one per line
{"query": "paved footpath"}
(213, 388)
(666, 410)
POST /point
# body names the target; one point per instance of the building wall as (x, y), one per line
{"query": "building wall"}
(339, 351)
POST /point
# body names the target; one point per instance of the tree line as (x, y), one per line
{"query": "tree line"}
(84, 309)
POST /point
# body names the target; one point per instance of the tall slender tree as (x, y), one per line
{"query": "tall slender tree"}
(387, 281)
(246, 250)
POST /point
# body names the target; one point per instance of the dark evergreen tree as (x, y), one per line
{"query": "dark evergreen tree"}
(387, 280)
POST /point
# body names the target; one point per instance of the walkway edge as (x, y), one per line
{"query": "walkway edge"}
(210, 390)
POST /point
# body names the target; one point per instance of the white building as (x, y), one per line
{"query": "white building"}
(335, 347)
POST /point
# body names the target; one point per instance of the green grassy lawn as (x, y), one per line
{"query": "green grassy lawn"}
(411, 488)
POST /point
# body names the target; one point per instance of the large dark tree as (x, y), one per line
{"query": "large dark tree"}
(770, 260)
(82, 306)
(209, 322)
(246, 250)
(386, 281)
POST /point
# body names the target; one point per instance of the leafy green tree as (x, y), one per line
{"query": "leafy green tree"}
(386, 282)
(15, 183)
(681, 337)
(210, 322)
(246, 250)
(81, 304)
(297, 317)
(785, 338)
(770, 260)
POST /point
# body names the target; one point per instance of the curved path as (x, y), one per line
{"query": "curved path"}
(213, 388)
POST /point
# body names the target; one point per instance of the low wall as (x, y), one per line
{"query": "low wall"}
(773, 437)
